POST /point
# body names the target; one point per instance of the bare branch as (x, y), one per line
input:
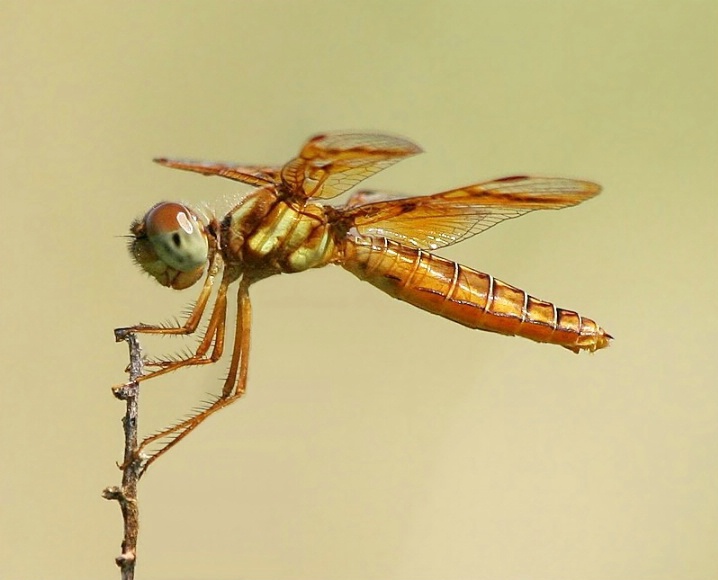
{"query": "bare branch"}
(126, 495)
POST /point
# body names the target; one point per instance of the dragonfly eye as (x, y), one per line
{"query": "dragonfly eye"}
(171, 245)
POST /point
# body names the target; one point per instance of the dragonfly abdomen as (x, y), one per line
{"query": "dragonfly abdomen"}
(471, 298)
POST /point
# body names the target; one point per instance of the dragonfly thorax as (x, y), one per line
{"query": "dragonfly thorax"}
(265, 234)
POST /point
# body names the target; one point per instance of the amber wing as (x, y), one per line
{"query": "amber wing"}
(388, 252)
(331, 163)
(328, 164)
(257, 175)
(439, 220)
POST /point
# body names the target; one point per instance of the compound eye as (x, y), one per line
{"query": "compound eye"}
(177, 236)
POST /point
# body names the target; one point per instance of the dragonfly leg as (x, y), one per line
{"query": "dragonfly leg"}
(190, 325)
(234, 385)
(214, 337)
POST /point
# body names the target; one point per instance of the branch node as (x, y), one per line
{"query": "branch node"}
(126, 495)
(125, 559)
(113, 493)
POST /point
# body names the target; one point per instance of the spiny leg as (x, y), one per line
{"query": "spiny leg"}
(194, 317)
(234, 386)
(213, 335)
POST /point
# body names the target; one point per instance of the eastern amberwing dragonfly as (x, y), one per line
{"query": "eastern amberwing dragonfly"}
(281, 228)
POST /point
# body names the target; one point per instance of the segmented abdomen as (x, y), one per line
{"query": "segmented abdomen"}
(471, 298)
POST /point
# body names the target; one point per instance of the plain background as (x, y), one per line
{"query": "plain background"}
(376, 441)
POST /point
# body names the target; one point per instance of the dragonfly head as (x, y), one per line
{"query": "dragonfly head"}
(171, 244)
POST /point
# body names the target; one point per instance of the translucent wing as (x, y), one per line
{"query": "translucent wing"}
(257, 175)
(446, 218)
(331, 163)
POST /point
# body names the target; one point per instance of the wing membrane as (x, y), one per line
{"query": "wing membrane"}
(331, 163)
(257, 175)
(446, 218)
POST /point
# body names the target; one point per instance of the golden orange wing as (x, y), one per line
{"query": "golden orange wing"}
(439, 220)
(328, 164)
(331, 163)
(257, 175)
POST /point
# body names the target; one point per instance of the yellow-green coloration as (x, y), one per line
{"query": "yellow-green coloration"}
(265, 235)
(182, 248)
(279, 228)
(171, 245)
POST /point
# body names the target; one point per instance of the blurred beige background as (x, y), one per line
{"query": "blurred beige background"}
(376, 441)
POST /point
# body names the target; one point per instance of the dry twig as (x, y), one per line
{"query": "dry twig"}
(126, 495)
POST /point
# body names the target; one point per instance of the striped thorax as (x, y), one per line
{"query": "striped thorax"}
(265, 234)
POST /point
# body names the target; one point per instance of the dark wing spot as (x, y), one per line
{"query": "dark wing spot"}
(512, 178)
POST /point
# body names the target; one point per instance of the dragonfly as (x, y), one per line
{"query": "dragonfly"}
(283, 227)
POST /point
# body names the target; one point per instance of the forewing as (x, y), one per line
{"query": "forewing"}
(365, 196)
(446, 218)
(257, 175)
(331, 163)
